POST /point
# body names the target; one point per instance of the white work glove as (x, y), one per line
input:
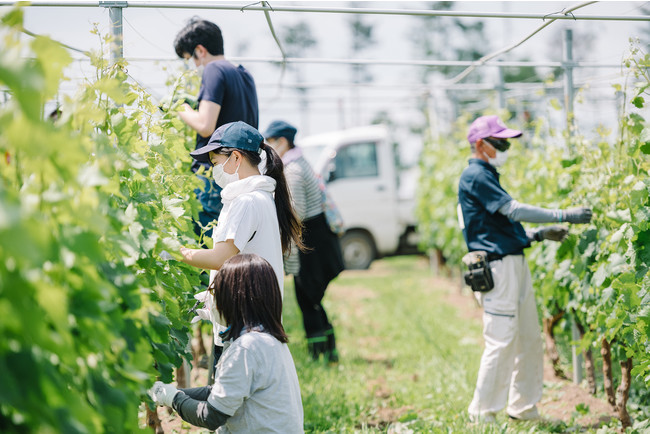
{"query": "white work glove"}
(163, 394)
(203, 313)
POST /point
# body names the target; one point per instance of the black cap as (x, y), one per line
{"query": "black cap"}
(281, 129)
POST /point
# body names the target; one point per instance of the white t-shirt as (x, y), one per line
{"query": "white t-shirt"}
(256, 383)
(249, 219)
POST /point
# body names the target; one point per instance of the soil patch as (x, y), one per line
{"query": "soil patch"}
(561, 397)
(385, 416)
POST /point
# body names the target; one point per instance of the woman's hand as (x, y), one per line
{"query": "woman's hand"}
(210, 259)
(187, 254)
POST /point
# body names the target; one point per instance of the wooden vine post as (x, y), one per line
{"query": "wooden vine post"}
(590, 367)
(551, 347)
(623, 393)
(608, 384)
(153, 421)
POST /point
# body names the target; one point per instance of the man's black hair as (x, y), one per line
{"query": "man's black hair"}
(199, 32)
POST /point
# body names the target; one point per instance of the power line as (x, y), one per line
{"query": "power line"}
(388, 62)
(509, 48)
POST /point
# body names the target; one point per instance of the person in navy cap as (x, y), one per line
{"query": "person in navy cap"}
(511, 366)
(257, 215)
(322, 260)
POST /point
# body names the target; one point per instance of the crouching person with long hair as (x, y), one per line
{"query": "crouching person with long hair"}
(256, 386)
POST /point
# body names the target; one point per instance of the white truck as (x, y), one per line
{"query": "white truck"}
(375, 198)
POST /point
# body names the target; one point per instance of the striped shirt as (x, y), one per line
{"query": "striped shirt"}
(306, 196)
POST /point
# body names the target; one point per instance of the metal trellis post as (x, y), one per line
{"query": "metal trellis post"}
(115, 16)
(569, 93)
(502, 88)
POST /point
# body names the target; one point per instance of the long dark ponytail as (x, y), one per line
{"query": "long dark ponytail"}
(290, 226)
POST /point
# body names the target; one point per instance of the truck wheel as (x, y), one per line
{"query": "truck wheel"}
(358, 250)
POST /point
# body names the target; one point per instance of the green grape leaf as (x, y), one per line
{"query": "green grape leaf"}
(645, 148)
(638, 102)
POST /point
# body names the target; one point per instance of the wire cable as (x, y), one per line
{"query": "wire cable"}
(266, 5)
(88, 54)
(36, 35)
(485, 58)
(143, 38)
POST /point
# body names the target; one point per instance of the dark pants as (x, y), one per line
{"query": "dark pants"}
(210, 199)
(217, 351)
(314, 317)
(318, 266)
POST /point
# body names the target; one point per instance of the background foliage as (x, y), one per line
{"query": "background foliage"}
(90, 314)
(599, 275)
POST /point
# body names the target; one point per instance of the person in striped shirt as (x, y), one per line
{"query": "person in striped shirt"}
(322, 260)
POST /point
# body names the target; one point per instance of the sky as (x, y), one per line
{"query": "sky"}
(149, 35)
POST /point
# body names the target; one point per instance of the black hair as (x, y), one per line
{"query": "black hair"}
(199, 32)
(290, 226)
(247, 295)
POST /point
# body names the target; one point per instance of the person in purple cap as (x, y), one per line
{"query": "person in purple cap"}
(511, 366)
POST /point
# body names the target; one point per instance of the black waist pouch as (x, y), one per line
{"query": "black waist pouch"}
(479, 276)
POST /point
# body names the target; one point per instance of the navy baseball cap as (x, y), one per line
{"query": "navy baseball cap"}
(237, 135)
(490, 126)
(281, 129)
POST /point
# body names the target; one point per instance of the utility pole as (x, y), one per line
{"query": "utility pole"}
(115, 16)
(569, 94)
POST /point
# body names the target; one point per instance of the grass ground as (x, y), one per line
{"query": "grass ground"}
(409, 348)
(406, 356)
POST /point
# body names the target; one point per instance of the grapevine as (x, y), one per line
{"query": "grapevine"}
(598, 277)
(91, 314)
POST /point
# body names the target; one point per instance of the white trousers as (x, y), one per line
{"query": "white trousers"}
(511, 368)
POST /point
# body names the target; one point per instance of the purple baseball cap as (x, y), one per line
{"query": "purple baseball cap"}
(490, 126)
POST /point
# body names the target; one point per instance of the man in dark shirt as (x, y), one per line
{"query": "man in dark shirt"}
(227, 94)
(511, 365)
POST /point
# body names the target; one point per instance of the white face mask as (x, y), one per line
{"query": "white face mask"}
(499, 159)
(221, 177)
